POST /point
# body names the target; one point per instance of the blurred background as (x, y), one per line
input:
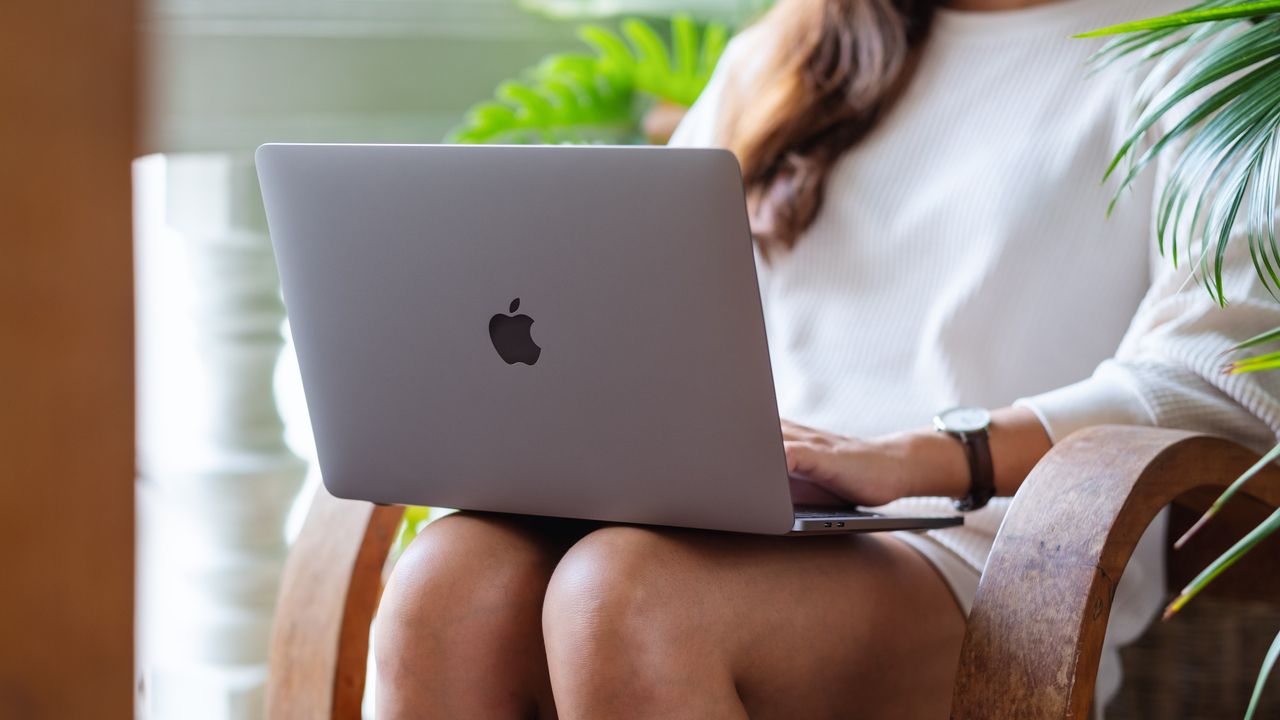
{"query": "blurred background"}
(156, 460)
(226, 464)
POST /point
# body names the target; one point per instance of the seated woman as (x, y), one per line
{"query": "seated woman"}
(924, 192)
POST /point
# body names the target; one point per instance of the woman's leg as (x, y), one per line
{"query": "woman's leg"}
(458, 632)
(682, 624)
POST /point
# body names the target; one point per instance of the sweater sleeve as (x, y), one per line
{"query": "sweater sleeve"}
(1168, 370)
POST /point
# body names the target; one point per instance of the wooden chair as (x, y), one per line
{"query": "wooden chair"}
(1035, 633)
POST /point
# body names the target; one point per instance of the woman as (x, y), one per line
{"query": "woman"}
(923, 186)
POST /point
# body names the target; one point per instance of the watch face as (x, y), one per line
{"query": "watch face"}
(964, 420)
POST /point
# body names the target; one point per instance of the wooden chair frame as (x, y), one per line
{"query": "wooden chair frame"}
(1034, 636)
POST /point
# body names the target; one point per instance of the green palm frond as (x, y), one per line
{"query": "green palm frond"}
(1205, 12)
(1229, 493)
(1214, 82)
(1265, 338)
(1229, 558)
(1222, 106)
(1257, 363)
(580, 98)
(1149, 43)
(1267, 666)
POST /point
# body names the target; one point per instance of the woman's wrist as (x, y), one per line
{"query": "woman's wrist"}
(936, 464)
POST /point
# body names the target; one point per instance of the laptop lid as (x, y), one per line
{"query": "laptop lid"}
(563, 331)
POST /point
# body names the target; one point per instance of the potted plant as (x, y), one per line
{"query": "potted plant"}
(1224, 96)
(633, 88)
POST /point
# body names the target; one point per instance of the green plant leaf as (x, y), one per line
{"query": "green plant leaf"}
(715, 38)
(1267, 666)
(653, 66)
(575, 97)
(1268, 361)
(415, 518)
(1228, 147)
(1239, 53)
(1227, 494)
(613, 50)
(1189, 17)
(684, 46)
(1154, 44)
(491, 115)
(565, 98)
(1214, 79)
(1222, 187)
(527, 100)
(1226, 560)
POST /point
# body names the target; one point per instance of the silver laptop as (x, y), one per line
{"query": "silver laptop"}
(562, 331)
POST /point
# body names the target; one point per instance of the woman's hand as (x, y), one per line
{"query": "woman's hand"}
(874, 472)
(916, 463)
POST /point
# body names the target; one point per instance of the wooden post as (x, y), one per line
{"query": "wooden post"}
(67, 124)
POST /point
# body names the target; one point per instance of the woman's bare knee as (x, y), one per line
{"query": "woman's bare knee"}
(458, 629)
(624, 635)
(461, 567)
(616, 582)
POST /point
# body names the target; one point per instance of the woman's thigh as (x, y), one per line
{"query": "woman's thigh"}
(687, 623)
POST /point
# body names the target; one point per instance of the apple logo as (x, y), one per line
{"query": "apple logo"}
(511, 337)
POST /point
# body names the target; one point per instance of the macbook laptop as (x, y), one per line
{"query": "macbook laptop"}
(561, 331)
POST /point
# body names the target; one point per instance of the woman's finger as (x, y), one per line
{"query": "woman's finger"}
(796, 431)
(796, 427)
(803, 458)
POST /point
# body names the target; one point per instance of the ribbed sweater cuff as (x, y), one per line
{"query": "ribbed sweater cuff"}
(1106, 398)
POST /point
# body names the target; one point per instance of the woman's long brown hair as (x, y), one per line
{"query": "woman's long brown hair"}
(836, 67)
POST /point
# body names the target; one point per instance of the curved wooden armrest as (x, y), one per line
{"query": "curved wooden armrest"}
(328, 595)
(1035, 634)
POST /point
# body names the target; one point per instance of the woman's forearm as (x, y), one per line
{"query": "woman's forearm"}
(1018, 441)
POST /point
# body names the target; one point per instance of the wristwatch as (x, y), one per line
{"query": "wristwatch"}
(970, 425)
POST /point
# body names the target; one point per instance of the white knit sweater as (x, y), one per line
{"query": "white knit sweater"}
(963, 256)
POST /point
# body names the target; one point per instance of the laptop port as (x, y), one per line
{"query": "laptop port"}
(826, 524)
(839, 524)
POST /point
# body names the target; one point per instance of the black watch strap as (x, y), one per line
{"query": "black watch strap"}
(982, 476)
